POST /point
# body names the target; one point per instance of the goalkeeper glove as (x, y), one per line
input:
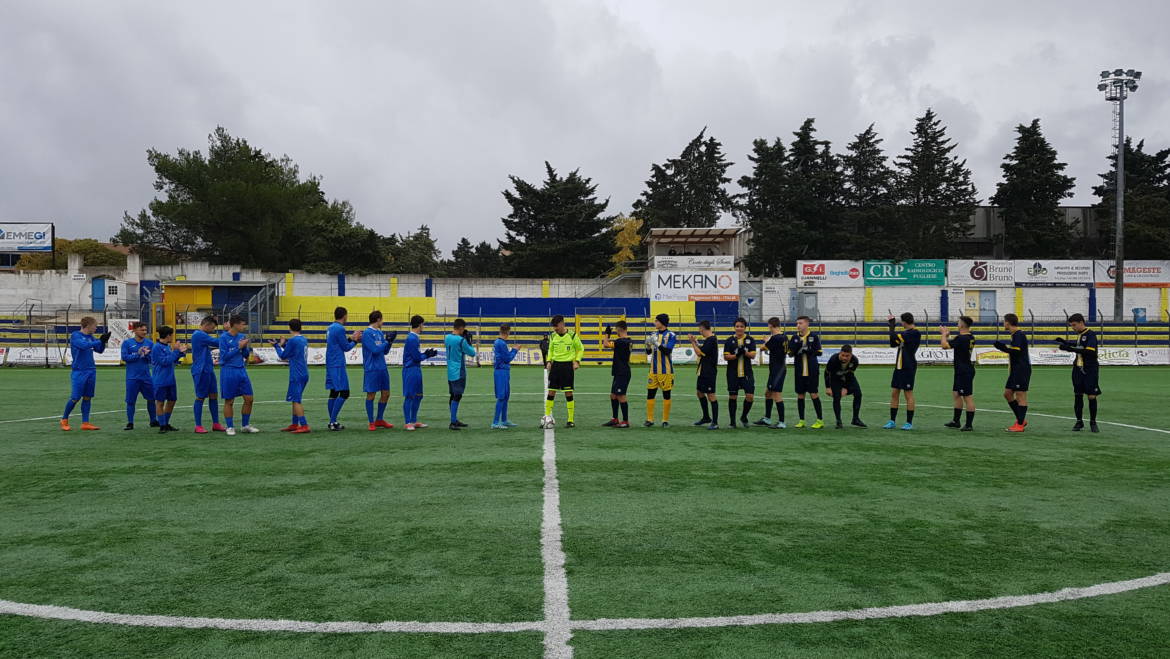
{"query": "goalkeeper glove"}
(1000, 345)
(390, 336)
(429, 352)
(468, 336)
(608, 331)
(105, 338)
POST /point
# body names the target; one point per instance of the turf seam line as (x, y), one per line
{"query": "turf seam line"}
(556, 583)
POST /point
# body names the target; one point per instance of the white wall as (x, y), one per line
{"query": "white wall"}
(203, 271)
(1150, 298)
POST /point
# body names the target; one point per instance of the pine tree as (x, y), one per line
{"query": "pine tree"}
(814, 194)
(1029, 198)
(869, 216)
(762, 209)
(1147, 204)
(467, 260)
(935, 191)
(687, 191)
(415, 253)
(558, 229)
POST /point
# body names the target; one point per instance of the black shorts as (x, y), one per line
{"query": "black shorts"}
(560, 376)
(903, 379)
(964, 383)
(776, 379)
(735, 383)
(1086, 382)
(621, 385)
(807, 384)
(852, 388)
(705, 384)
(1018, 379)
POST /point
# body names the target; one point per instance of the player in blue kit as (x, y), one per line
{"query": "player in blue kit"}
(502, 357)
(376, 377)
(163, 358)
(458, 344)
(295, 350)
(83, 373)
(233, 375)
(412, 382)
(337, 344)
(136, 355)
(203, 373)
(905, 368)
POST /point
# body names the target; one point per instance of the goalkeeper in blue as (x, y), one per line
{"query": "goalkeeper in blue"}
(294, 349)
(376, 377)
(458, 344)
(136, 355)
(502, 357)
(412, 380)
(83, 374)
(163, 357)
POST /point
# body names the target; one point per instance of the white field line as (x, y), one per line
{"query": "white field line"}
(556, 582)
(1049, 416)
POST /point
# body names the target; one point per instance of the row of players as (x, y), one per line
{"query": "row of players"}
(150, 372)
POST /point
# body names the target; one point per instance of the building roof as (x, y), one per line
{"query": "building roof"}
(683, 235)
(195, 282)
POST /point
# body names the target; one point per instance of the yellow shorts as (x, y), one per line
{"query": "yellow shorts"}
(663, 381)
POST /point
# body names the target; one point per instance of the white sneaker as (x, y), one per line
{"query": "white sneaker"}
(231, 432)
(250, 429)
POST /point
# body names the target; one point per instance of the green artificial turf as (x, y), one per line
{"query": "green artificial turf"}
(445, 526)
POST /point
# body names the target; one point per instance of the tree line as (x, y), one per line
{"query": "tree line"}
(802, 199)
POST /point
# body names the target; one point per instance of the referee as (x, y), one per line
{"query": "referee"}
(562, 360)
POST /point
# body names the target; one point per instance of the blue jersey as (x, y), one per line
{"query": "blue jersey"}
(412, 356)
(659, 354)
(81, 348)
(296, 353)
(502, 356)
(374, 349)
(137, 364)
(163, 359)
(201, 345)
(230, 353)
(457, 348)
(337, 343)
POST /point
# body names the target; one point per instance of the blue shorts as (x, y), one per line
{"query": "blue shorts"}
(83, 383)
(296, 389)
(168, 393)
(135, 387)
(412, 382)
(234, 382)
(336, 378)
(375, 381)
(503, 381)
(457, 387)
(205, 384)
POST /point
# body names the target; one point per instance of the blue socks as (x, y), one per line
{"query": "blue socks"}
(68, 408)
(381, 411)
(410, 407)
(85, 405)
(130, 413)
(215, 410)
(229, 421)
(454, 405)
(150, 410)
(501, 411)
(330, 404)
(247, 419)
(338, 402)
(198, 412)
(370, 410)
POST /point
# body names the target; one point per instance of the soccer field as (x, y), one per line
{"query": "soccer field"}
(667, 534)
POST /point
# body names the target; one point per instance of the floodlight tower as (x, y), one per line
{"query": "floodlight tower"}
(1117, 84)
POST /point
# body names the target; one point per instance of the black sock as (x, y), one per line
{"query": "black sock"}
(780, 408)
(800, 408)
(1022, 413)
(613, 403)
(856, 407)
(715, 411)
(768, 408)
(625, 412)
(837, 408)
(817, 408)
(703, 405)
(731, 405)
(958, 413)
(1079, 407)
(970, 418)
(1015, 408)
(893, 414)
(1093, 410)
(747, 408)
(909, 416)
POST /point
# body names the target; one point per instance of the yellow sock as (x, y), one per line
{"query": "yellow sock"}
(650, 409)
(571, 406)
(666, 410)
(548, 403)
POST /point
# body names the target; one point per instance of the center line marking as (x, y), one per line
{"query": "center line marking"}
(558, 629)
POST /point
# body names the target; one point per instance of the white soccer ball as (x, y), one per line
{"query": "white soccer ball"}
(547, 421)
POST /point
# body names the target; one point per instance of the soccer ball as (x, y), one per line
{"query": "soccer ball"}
(547, 422)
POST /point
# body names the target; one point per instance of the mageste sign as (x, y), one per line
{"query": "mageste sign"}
(684, 285)
(26, 237)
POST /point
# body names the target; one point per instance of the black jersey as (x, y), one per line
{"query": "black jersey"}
(740, 364)
(621, 357)
(907, 342)
(708, 356)
(1086, 349)
(1017, 350)
(963, 345)
(777, 347)
(841, 373)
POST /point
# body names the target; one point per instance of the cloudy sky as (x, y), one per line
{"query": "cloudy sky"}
(417, 111)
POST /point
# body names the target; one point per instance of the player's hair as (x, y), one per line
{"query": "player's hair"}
(804, 318)
(375, 316)
(236, 319)
(505, 327)
(966, 321)
(705, 324)
(557, 320)
(907, 317)
(773, 322)
(136, 324)
(89, 321)
(740, 320)
(1076, 318)
(1012, 319)
(663, 318)
(621, 324)
(416, 321)
(459, 323)
(209, 320)
(295, 324)
(339, 313)
(165, 331)
(847, 348)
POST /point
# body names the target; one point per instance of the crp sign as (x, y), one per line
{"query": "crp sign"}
(912, 272)
(687, 285)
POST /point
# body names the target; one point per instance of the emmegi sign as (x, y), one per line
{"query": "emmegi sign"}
(829, 274)
(911, 272)
(685, 285)
(975, 274)
(1139, 274)
(1054, 273)
(26, 237)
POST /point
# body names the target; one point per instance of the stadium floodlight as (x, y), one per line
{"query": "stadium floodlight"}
(1117, 86)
